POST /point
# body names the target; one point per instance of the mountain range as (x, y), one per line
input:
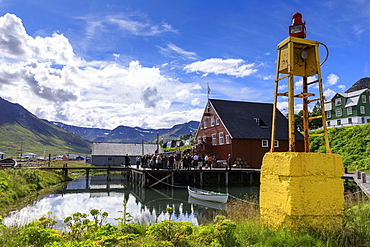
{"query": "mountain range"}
(127, 134)
(360, 84)
(21, 131)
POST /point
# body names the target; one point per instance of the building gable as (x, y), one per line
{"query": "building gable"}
(247, 119)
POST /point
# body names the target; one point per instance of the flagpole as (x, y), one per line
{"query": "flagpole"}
(208, 91)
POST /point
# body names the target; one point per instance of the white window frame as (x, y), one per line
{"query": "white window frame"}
(265, 143)
(349, 110)
(227, 139)
(221, 137)
(362, 109)
(214, 139)
(363, 97)
(338, 112)
(199, 140)
(204, 139)
(338, 101)
(212, 121)
(205, 122)
(217, 121)
(328, 114)
(276, 144)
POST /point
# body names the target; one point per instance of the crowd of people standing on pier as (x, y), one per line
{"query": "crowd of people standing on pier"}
(176, 161)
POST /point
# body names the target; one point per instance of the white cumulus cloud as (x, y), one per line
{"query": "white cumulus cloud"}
(332, 79)
(233, 67)
(44, 75)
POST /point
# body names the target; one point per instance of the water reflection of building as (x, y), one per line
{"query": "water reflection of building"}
(151, 201)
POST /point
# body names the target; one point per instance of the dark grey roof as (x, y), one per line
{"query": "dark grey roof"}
(239, 119)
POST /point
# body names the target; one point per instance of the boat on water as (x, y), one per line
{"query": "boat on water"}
(207, 204)
(207, 195)
(8, 163)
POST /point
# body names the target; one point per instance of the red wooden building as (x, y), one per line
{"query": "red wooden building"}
(242, 129)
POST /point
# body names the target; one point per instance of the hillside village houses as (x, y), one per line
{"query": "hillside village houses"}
(242, 129)
(347, 109)
(2, 155)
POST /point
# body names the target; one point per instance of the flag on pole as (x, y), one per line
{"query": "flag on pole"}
(208, 90)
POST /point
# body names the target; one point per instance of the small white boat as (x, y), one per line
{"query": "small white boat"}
(207, 195)
(207, 204)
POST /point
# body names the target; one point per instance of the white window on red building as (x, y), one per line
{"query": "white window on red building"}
(221, 138)
(212, 121)
(214, 139)
(265, 143)
(227, 139)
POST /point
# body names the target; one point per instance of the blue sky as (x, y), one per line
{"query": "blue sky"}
(147, 63)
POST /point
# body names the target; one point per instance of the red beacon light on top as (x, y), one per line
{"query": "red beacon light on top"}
(298, 28)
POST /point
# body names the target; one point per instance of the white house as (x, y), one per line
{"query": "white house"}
(28, 156)
(2, 155)
(109, 153)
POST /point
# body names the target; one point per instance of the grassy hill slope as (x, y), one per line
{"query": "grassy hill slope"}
(352, 143)
(21, 130)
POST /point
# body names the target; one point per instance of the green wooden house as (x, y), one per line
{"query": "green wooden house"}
(347, 109)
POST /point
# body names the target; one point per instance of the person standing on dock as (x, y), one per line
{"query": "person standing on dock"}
(195, 160)
(171, 161)
(229, 162)
(127, 161)
(177, 161)
(214, 160)
(138, 161)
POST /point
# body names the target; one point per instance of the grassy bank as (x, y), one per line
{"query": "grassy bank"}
(239, 226)
(19, 183)
(352, 143)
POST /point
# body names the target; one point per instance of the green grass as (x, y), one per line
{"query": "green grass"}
(19, 183)
(352, 143)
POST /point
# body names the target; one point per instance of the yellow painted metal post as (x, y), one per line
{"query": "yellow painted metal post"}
(322, 104)
(291, 127)
(273, 124)
(305, 116)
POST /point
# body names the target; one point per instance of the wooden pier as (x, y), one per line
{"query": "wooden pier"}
(145, 177)
(362, 180)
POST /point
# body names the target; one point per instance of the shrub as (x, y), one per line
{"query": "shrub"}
(173, 232)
